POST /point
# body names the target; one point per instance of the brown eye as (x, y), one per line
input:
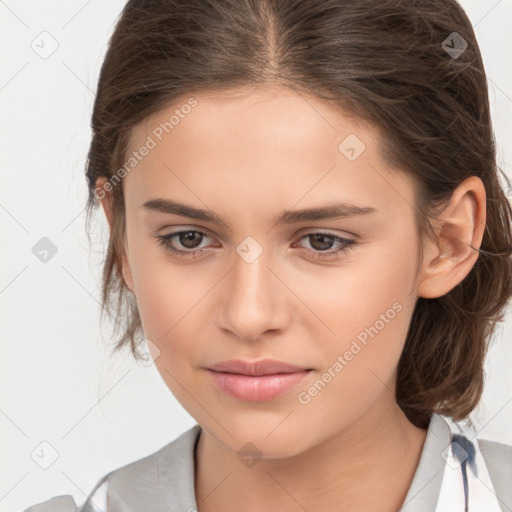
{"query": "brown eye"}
(187, 242)
(321, 244)
(189, 238)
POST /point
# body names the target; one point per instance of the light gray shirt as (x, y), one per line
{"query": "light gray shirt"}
(164, 480)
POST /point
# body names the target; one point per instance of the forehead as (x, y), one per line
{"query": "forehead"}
(272, 115)
(260, 142)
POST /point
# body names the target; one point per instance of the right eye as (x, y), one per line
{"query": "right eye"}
(186, 238)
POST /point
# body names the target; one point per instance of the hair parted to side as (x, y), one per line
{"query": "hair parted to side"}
(379, 60)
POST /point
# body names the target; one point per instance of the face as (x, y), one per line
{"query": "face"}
(329, 291)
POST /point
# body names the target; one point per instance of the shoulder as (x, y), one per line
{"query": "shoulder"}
(498, 461)
(498, 455)
(163, 478)
(177, 455)
(140, 477)
(55, 504)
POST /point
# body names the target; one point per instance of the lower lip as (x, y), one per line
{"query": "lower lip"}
(256, 389)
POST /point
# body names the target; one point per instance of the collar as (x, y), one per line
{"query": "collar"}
(176, 469)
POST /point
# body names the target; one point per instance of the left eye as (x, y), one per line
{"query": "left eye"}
(191, 239)
(323, 239)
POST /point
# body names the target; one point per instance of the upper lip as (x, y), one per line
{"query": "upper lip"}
(262, 367)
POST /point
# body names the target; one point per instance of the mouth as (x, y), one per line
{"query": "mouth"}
(257, 368)
(257, 381)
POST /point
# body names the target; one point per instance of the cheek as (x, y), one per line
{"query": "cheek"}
(377, 281)
(368, 311)
(169, 309)
(165, 299)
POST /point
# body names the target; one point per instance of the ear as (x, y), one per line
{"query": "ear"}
(460, 232)
(104, 194)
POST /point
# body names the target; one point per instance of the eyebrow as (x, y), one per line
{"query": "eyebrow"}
(331, 211)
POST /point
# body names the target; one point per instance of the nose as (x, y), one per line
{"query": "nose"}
(254, 299)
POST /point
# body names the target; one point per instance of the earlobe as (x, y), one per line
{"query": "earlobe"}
(462, 225)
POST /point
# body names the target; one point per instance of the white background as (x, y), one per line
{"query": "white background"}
(58, 382)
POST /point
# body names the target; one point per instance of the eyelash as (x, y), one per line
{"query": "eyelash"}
(164, 241)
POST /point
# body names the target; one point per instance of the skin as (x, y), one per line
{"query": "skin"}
(248, 155)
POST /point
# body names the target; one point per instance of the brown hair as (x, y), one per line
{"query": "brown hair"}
(387, 62)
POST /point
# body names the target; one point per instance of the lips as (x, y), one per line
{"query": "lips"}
(262, 367)
(257, 381)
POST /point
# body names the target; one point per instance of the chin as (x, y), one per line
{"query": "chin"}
(264, 439)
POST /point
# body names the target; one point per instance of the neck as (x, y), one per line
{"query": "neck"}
(368, 465)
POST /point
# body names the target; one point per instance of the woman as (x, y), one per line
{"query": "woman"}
(309, 236)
